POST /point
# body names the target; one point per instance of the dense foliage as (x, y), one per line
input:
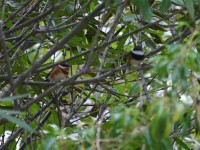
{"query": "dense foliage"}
(104, 103)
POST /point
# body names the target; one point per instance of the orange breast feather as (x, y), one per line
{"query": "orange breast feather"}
(130, 58)
(55, 72)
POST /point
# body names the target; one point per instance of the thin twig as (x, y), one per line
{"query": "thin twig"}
(55, 48)
(17, 11)
(104, 44)
(32, 8)
(20, 130)
(172, 23)
(7, 58)
(111, 33)
(41, 123)
(144, 85)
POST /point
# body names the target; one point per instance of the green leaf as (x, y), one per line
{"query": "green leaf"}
(14, 112)
(161, 127)
(130, 17)
(49, 143)
(189, 4)
(17, 121)
(182, 144)
(133, 88)
(145, 8)
(179, 2)
(165, 5)
(6, 99)
(198, 1)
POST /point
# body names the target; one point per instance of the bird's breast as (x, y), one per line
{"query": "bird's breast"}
(57, 74)
(58, 77)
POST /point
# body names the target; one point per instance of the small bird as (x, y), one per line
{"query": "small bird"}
(136, 55)
(58, 73)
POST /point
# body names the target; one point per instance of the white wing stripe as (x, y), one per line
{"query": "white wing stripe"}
(138, 52)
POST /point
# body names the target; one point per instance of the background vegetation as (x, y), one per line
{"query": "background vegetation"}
(104, 103)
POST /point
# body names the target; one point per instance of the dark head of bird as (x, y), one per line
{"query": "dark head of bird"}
(137, 53)
(65, 65)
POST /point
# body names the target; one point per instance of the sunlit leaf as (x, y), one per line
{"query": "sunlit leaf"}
(182, 144)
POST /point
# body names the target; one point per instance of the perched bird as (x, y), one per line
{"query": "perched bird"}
(58, 73)
(136, 55)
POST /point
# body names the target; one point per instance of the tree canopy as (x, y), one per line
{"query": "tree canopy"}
(104, 102)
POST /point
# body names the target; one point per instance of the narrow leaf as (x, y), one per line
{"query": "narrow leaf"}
(145, 8)
(17, 121)
(165, 5)
(189, 4)
(13, 98)
(14, 112)
(49, 143)
(133, 88)
(182, 144)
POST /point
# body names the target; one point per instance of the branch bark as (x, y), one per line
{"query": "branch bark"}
(55, 48)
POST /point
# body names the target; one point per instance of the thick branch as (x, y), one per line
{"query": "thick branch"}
(56, 47)
(104, 44)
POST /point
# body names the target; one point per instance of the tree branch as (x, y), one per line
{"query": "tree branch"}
(7, 58)
(55, 48)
